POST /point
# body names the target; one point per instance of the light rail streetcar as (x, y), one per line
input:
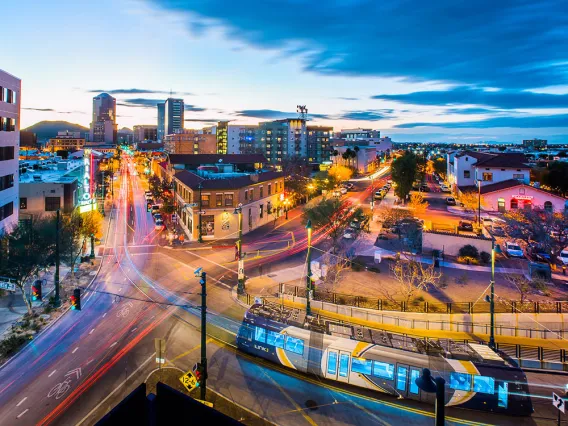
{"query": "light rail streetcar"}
(476, 377)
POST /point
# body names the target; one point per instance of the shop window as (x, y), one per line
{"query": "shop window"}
(219, 200)
(466, 174)
(548, 206)
(514, 204)
(207, 225)
(487, 177)
(228, 200)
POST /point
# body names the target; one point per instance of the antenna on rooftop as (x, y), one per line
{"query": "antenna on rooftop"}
(302, 111)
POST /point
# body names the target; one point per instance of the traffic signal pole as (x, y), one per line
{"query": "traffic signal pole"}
(203, 282)
(57, 301)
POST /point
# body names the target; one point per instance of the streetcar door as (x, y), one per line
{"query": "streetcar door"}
(413, 389)
(401, 380)
(331, 366)
(344, 366)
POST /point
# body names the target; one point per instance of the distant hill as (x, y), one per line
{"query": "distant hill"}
(48, 129)
(126, 130)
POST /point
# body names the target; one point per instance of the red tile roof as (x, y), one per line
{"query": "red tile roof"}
(510, 161)
(199, 159)
(192, 180)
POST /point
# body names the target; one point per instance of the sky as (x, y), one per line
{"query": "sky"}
(418, 71)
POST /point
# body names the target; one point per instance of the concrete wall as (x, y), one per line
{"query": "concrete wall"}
(538, 198)
(451, 243)
(500, 174)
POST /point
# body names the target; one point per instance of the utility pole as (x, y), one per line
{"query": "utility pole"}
(57, 301)
(241, 263)
(203, 365)
(309, 289)
(92, 255)
(200, 237)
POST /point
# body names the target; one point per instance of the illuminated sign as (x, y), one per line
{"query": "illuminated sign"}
(522, 197)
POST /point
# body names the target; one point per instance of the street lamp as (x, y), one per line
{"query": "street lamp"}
(479, 201)
(286, 204)
(437, 386)
(309, 290)
(372, 191)
(310, 189)
(92, 256)
(495, 248)
(241, 263)
(200, 237)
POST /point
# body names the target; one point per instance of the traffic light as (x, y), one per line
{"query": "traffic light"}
(76, 300)
(36, 290)
(149, 207)
(198, 373)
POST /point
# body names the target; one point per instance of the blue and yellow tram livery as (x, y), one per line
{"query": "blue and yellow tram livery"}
(476, 377)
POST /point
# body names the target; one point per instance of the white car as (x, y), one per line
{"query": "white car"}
(444, 188)
(564, 256)
(349, 234)
(514, 250)
(343, 190)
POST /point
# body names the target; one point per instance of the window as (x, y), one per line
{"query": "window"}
(6, 152)
(52, 204)
(414, 374)
(548, 206)
(460, 381)
(229, 200)
(219, 200)
(23, 203)
(332, 363)
(518, 176)
(205, 200)
(502, 394)
(484, 384)
(246, 195)
(261, 192)
(260, 334)
(275, 339)
(344, 365)
(514, 204)
(466, 174)
(401, 378)
(6, 210)
(360, 365)
(294, 345)
(252, 194)
(261, 211)
(383, 370)
(6, 182)
(269, 189)
(269, 207)
(487, 177)
(245, 332)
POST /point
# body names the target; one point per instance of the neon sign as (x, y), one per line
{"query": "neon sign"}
(522, 197)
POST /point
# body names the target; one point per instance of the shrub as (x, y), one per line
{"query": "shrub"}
(443, 281)
(11, 344)
(417, 300)
(468, 260)
(374, 269)
(485, 257)
(36, 326)
(469, 251)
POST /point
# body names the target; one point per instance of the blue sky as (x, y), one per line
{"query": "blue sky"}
(416, 70)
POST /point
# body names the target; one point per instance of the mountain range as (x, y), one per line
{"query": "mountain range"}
(48, 129)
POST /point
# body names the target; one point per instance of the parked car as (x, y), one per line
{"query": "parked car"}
(497, 230)
(159, 225)
(487, 221)
(378, 195)
(444, 188)
(349, 234)
(349, 185)
(355, 224)
(513, 249)
(538, 253)
(155, 209)
(337, 194)
(343, 190)
(450, 201)
(389, 182)
(157, 217)
(464, 225)
(424, 188)
(564, 256)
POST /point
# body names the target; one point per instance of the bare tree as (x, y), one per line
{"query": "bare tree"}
(418, 203)
(335, 267)
(411, 276)
(520, 283)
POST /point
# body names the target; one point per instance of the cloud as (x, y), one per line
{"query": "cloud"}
(202, 120)
(270, 114)
(365, 115)
(193, 108)
(510, 44)
(471, 111)
(462, 95)
(347, 99)
(40, 109)
(138, 92)
(529, 122)
(153, 103)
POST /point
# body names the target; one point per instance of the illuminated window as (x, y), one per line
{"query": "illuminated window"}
(260, 334)
(275, 339)
(484, 384)
(487, 177)
(360, 365)
(294, 345)
(219, 200)
(383, 370)
(460, 381)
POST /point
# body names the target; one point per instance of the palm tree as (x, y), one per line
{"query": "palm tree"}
(356, 156)
(347, 155)
(334, 154)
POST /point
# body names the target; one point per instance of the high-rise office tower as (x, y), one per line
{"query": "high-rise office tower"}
(161, 121)
(9, 147)
(173, 115)
(103, 124)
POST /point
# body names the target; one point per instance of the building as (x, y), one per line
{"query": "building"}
(234, 138)
(222, 133)
(145, 132)
(466, 168)
(513, 194)
(103, 124)
(282, 138)
(319, 143)
(173, 116)
(10, 89)
(535, 144)
(161, 121)
(365, 159)
(28, 139)
(48, 185)
(66, 141)
(241, 163)
(356, 134)
(218, 191)
(190, 141)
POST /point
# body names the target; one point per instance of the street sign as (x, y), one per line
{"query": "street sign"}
(189, 381)
(5, 284)
(241, 270)
(201, 212)
(193, 204)
(558, 402)
(160, 345)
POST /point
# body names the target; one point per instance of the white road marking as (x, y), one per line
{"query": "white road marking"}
(115, 389)
(22, 413)
(52, 373)
(104, 315)
(135, 328)
(113, 344)
(89, 361)
(120, 289)
(75, 350)
(91, 332)
(20, 403)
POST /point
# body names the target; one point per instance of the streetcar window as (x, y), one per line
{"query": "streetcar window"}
(502, 394)
(383, 370)
(245, 332)
(294, 345)
(401, 378)
(275, 339)
(343, 365)
(360, 365)
(460, 381)
(332, 363)
(484, 384)
(414, 374)
(260, 334)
